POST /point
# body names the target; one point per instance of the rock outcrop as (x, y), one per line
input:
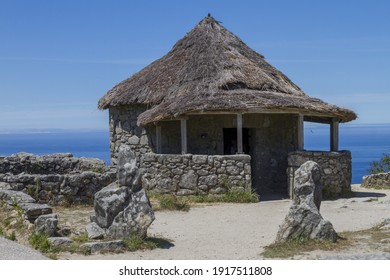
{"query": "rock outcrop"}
(304, 219)
(123, 208)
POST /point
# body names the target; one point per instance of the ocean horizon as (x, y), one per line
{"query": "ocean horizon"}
(366, 142)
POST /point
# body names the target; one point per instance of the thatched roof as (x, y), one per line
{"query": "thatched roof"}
(212, 70)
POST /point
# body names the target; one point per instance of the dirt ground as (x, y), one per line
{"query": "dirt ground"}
(240, 231)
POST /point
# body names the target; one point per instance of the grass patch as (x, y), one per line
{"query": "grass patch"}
(41, 243)
(291, 248)
(135, 243)
(168, 202)
(82, 238)
(178, 203)
(231, 196)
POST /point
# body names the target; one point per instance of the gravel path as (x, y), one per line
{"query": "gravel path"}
(240, 231)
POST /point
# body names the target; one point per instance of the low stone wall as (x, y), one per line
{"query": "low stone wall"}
(336, 170)
(55, 178)
(196, 174)
(377, 181)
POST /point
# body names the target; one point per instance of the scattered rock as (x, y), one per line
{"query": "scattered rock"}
(304, 219)
(46, 224)
(105, 247)
(15, 197)
(59, 241)
(94, 231)
(34, 210)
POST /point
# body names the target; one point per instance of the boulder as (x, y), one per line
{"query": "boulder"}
(304, 219)
(46, 224)
(122, 208)
(34, 210)
(134, 219)
(108, 202)
(94, 231)
(60, 241)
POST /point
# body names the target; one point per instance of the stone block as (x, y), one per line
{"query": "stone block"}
(46, 224)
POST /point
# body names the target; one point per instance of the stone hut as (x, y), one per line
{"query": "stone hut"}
(212, 114)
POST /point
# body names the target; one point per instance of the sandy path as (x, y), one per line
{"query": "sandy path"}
(239, 231)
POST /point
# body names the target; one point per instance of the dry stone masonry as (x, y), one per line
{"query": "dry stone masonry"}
(55, 178)
(336, 170)
(196, 174)
(304, 219)
(377, 181)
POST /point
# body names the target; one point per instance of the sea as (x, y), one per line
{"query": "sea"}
(367, 143)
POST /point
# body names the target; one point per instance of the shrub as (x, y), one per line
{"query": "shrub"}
(381, 166)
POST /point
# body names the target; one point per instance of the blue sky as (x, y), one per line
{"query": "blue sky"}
(57, 58)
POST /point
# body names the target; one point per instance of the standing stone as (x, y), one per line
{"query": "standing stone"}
(304, 219)
(123, 208)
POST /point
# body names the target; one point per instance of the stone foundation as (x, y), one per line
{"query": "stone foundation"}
(196, 174)
(336, 170)
(55, 178)
(377, 181)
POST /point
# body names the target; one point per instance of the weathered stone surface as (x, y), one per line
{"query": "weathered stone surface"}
(94, 231)
(134, 219)
(60, 241)
(109, 201)
(55, 178)
(105, 247)
(11, 197)
(129, 174)
(195, 174)
(304, 219)
(336, 170)
(34, 210)
(377, 181)
(123, 208)
(46, 224)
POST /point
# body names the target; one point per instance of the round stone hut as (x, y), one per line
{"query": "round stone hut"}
(212, 115)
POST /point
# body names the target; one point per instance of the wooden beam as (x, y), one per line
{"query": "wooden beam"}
(158, 139)
(301, 136)
(334, 135)
(183, 129)
(239, 134)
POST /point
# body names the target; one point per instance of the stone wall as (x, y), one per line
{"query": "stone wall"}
(268, 138)
(196, 174)
(124, 130)
(55, 178)
(377, 181)
(336, 170)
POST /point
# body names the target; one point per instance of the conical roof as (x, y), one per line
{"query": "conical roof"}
(212, 70)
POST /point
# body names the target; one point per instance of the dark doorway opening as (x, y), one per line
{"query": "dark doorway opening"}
(230, 141)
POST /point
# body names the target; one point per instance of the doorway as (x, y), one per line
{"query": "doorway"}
(230, 141)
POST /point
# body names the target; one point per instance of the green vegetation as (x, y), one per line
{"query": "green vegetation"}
(135, 243)
(41, 243)
(291, 248)
(231, 196)
(381, 166)
(182, 203)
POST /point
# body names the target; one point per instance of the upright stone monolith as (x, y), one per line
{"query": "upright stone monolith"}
(123, 208)
(304, 219)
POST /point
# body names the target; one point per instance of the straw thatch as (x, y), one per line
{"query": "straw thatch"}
(212, 70)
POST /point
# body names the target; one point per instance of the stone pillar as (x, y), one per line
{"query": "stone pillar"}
(239, 134)
(301, 143)
(183, 127)
(334, 135)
